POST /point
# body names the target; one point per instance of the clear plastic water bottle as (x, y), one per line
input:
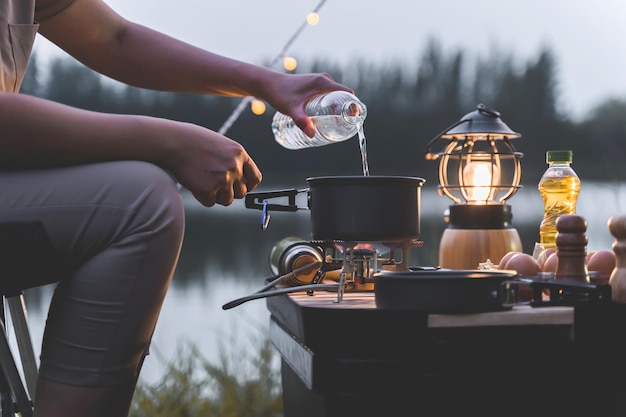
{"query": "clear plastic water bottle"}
(559, 187)
(337, 116)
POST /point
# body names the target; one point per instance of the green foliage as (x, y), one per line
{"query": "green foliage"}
(240, 385)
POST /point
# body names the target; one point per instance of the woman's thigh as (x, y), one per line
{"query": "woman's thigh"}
(116, 229)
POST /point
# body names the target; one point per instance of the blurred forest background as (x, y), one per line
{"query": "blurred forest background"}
(405, 111)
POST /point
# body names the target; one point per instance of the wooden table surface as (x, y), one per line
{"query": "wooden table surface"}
(519, 315)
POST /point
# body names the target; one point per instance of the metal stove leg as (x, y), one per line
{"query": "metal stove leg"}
(346, 270)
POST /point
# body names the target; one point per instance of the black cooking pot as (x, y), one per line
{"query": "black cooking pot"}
(446, 290)
(354, 208)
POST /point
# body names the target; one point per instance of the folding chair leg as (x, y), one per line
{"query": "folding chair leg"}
(6, 398)
(9, 369)
(17, 308)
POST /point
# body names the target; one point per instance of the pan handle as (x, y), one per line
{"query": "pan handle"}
(564, 293)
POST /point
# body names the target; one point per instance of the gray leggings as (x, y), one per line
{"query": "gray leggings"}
(117, 229)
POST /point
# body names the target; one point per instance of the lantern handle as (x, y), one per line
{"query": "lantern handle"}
(484, 109)
(433, 156)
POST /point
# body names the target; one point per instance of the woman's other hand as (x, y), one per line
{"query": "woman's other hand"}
(214, 168)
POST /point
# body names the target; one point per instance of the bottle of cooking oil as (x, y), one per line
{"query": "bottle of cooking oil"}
(559, 187)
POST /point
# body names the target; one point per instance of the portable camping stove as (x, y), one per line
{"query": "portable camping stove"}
(357, 262)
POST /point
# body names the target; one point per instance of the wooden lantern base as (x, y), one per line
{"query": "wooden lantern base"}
(465, 249)
(476, 234)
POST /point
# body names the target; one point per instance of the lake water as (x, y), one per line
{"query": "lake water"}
(225, 256)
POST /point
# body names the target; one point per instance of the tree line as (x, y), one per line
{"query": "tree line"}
(406, 109)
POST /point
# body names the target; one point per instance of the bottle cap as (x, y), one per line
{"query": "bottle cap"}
(559, 156)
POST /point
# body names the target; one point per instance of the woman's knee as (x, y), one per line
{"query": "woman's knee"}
(154, 198)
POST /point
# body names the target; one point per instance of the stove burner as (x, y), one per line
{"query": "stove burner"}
(357, 262)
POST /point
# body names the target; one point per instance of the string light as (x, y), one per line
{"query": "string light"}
(257, 106)
(311, 20)
(290, 63)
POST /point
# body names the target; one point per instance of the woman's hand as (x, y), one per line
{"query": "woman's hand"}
(289, 93)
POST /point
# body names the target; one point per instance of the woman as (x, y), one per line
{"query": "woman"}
(104, 187)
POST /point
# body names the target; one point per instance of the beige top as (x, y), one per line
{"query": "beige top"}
(18, 28)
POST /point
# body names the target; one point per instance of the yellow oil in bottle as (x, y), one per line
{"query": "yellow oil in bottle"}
(559, 194)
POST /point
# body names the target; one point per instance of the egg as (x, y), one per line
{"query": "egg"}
(543, 256)
(505, 259)
(551, 263)
(602, 261)
(524, 264)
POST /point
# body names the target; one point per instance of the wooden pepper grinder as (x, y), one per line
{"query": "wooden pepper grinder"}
(617, 280)
(571, 243)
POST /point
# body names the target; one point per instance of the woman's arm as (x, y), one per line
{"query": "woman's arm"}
(103, 40)
(39, 133)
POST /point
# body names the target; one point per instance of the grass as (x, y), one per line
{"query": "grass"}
(238, 385)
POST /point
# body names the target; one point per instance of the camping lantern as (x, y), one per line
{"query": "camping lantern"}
(479, 169)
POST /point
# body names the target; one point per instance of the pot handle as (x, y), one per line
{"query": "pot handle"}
(258, 200)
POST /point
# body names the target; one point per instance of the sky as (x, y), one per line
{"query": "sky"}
(587, 37)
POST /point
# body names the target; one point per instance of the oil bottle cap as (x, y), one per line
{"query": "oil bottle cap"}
(559, 156)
